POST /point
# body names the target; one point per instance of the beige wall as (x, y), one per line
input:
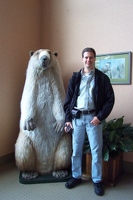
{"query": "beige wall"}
(20, 32)
(105, 25)
(66, 26)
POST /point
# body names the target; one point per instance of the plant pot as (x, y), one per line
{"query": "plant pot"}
(112, 170)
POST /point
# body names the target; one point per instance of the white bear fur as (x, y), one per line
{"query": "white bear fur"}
(42, 146)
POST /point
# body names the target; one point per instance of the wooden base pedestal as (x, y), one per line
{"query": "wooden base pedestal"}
(112, 170)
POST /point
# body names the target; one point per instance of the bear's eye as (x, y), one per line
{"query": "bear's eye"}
(37, 53)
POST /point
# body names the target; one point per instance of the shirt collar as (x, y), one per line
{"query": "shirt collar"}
(92, 72)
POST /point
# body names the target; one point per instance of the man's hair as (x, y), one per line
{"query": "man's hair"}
(88, 49)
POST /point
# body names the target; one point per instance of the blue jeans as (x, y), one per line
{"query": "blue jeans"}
(94, 133)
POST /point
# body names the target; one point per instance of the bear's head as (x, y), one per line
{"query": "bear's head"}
(43, 58)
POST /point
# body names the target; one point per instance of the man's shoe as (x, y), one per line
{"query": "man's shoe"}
(73, 182)
(98, 189)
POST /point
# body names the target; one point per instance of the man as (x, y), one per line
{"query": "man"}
(89, 100)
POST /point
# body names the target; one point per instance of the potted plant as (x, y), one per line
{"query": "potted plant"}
(117, 138)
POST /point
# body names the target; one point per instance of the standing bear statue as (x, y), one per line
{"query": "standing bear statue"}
(42, 146)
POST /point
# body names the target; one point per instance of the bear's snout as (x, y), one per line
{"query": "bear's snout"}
(44, 58)
(45, 61)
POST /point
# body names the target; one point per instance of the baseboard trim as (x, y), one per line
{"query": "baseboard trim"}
(7, 158)
(128, 167)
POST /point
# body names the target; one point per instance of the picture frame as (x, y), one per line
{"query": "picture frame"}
(117, 66)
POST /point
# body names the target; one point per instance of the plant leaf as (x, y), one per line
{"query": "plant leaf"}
(105, 154)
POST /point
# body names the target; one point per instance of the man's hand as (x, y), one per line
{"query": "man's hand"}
(95, 121)
(68, 127)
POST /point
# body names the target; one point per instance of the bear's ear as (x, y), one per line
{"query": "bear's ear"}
(31, 53)
(56, 54)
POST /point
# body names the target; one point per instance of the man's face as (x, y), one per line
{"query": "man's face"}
(89, 60)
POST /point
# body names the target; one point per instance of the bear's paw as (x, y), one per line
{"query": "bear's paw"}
(29, 175)
(60, 174)
(29, 125)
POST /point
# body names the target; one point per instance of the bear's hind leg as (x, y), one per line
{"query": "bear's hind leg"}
(25, 157)
(24, 154)
(63, 157)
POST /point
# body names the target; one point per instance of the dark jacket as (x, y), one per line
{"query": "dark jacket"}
(103, 95)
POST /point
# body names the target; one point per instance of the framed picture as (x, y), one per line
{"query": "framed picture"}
(117, 66)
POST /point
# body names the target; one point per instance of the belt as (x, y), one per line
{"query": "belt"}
(85, 112)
